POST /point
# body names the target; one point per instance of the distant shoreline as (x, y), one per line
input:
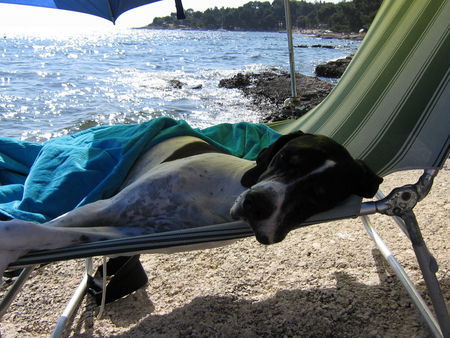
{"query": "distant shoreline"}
(320, 33)
(327, 34)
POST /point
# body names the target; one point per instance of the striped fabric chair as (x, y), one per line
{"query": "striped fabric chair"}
(391, 109)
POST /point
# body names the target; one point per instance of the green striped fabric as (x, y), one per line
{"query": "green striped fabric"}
(391, 107)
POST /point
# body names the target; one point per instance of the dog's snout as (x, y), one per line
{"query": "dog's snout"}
(256, 205)
(263, 239)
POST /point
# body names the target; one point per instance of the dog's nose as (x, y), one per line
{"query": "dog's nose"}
(263, 239)
(256, 205)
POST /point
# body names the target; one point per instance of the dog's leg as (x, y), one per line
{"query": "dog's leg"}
(18, 237)
(6, 257)
(96, 214)
(22, 235)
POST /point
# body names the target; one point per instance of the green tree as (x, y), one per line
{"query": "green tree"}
(367, 10)
(346, 16)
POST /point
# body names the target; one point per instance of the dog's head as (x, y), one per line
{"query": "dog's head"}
(296, 177)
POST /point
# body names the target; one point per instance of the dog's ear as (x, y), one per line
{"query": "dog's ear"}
(265, 156)
(366, 182)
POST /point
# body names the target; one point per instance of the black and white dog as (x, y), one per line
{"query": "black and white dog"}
(185, 182)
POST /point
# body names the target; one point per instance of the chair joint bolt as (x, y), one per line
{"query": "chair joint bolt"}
(400, 201)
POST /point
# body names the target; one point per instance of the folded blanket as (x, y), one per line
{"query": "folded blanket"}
(39, 182)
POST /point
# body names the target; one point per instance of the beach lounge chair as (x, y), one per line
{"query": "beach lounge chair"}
(391, 109)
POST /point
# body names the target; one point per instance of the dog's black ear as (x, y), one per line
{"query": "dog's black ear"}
(265, 156)
(365, 180)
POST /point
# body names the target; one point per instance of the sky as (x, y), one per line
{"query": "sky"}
(17, 15)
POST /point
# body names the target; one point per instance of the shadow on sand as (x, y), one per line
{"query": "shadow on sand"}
(348, 309)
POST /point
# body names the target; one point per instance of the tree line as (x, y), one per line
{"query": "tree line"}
(346, 16)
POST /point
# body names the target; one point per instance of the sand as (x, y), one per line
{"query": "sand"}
(323, 280)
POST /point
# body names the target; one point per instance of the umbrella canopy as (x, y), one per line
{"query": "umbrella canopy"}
(107, 9)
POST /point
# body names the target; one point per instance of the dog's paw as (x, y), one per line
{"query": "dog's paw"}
(6, 258)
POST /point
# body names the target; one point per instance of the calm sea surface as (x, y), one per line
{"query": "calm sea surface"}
(59, 83)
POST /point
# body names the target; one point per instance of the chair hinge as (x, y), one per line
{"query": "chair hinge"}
(400, 201)
(403, 199)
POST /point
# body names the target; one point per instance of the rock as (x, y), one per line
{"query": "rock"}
(270, 89)
(176, 84)
(333, 69)
(316, 46)
(324, 46)
(346, 36)
(238, 81)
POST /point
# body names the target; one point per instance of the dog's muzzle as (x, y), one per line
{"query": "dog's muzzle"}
(256, 207)
(252, 205)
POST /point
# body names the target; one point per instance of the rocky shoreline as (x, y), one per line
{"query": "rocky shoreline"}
(268, 91)
(326, 34)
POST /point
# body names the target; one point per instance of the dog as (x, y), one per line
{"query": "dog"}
(185, 182)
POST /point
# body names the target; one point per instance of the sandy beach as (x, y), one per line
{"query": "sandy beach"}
(323, 280)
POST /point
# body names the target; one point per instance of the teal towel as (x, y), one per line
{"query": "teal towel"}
(39, 182)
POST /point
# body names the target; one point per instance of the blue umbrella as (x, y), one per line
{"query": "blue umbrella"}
(107, 9)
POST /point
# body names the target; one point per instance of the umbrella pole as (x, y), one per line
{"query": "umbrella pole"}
(294, 99)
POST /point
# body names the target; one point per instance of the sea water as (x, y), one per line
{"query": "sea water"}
(57, 83)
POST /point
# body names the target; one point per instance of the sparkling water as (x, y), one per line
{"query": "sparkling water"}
(57, 83)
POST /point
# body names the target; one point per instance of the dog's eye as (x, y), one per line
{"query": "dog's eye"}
(291, 160)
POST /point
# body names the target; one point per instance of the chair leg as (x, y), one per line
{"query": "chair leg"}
(74, 302)
(429, 267)
(12, 293)
(403, 277)
(400, 203)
